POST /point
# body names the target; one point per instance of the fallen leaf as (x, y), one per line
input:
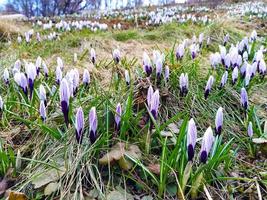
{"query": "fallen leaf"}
(166, 134)
(117, 151)
(154, 168)
(50, 188)
(13, 195)
(51, 175)
(173, 128)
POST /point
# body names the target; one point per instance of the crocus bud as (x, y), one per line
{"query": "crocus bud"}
(1, 104)
(262, 67)
(159, 67)
(248, 75)
(42, 94)
(46, 71)
(227, 61)
(31, 75)
(58, 74)
(16, 67)
(194, 50)
(6, 76)
(79, 125)
(64, 98)
(244, 98)
(154, 104)
(75, 58)
(116, 56)
(118, 116)
(215, 59)
(207, 142)
(180, 52)
(75, 80)
(93, 125)
(224, 79)
(21, 80)
(42, 111)
(219, 121)
(184, 84)
(60, 63)
(150, 92)
(147, 64)
(191, 138)
(38, 64)
(222, 54)
(226, 39)
(167, 73)
(86, 77)
(156, 56)
(250, 130)
(253, 36)
(93, 55)
(127, 77)
(235, 75)
(208, 86)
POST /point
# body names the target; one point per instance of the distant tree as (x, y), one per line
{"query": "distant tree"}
(9, 8)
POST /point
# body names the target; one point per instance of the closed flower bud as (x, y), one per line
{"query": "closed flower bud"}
(6, 76)
(207, 142)
(224, 79)
(1, 104)
(116, 56)
(154, 104)
(244, 98)
(147, 64)
(38, 64)
(118, 116)
(58, 75)
(42, 111)
(64, 99)
(42, 94)
(191, 139)
(79, 125)
(21, 80)
(45, 69)
(250, 130)
(31, 75)
(93, 125)
(219, 121)
(86, 77)
(184, 84)
(93, 55)
(167, 73)
(180, 52)
(60, 63)
(208, 86)
(159, 67)
(235, 75)
(127, 77)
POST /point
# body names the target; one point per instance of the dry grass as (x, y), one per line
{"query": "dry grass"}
(10, 29)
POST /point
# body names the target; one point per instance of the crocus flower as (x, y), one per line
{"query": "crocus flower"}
(243, 69)
(86, 77)
(180, 52)
(235, 75)
(45, 69)
(64, 98)
(248, 75)
(184, 84)
(31, 75)
(75, 79)
(6, 76)
(245, 56)
(159, 67)
(191, 138)
(200, 39)
(156, 56)
(42, 94)
(224, 79)
(127, 77)
(222, 54)
(60, 63)
(194, 50)
(208, 86)
(93, 125)
(118, 116)
(116, 56)
(17, 66)
(38, 64)
(147, 64)
(21, 80)
(226, 39)
(219, 121)
(154, 104)
(93, 56)
(150, 92)
(253, 36)
(250, 130)
(227, 61)
(206, 145)
(262, 67)
(58, 74)
(79, 125)
(42, 111)
(244, 98)
(167, 73)
(1, 104)
(215, 59)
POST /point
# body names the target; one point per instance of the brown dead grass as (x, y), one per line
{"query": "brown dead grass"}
(10, 29)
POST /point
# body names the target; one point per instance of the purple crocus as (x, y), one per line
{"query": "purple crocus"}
(42, 111)
(226, 39)
(191, 138)
(222, 54)
(118, 116)
(215, 60)
(235, 75)
(45, 69)
(21, 80)
(79, 125)
(38, 64)
(93, 125)
(207, 142)
(180, 52)
(262, 67)
(167, 73)
(127, 77)
(208, 86)
(154, 104)
(60, 63)
(116, 56)
(150, 92)
(6, 76)
(248, 74)
(64, 98)
(31, 75)
(194, 50)
(147, 64)
(1, 104)
(58, 74)
(250, 130)
(244, 98)
(159, 67)
(86, 77)
(224, 79)
(184, 84)
(93, 56)
(219, 121)
(42, 94)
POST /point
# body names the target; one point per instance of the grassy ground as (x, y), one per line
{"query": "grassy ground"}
(157, 166)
